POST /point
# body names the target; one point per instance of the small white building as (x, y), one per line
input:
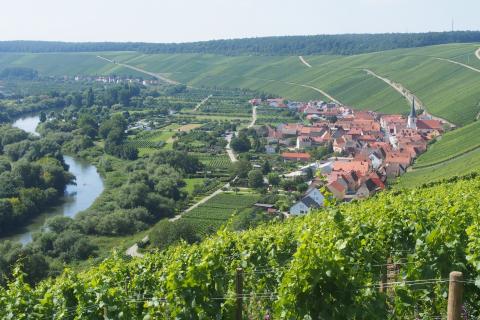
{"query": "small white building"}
(313, 199)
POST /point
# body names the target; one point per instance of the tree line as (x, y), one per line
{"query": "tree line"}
(343, 44)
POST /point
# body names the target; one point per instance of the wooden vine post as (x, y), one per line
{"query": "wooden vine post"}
(239, 294)
(455, 296)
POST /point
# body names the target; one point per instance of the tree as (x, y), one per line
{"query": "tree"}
(43, 117)
(266, 167)
(241, 168)
(240, 143)
(273, 179)
(255, 179)
(89, 98)
(167, 233)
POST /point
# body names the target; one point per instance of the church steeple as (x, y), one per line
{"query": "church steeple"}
(412, 117)
(413, 112)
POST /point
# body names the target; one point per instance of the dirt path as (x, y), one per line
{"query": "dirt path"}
(133, 250)
(254, 117)
(316, 89)
(201, 103)
(460, 64)
(229, 150)
(304, 61)
(155, 75)
(408, 96)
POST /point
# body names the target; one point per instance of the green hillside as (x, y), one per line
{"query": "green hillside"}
(61, 64)
(455, 153)
(326, 265)
(464, 164)
(451, 145)
(448, 90)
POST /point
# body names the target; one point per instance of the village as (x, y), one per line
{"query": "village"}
(368, 149)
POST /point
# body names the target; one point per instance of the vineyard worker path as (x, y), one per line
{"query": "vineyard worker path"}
(229, 150)
(133, 250)
(201, 103)
(155, 75)
(460, 64)
(254, 118)
(477, 53)
(304, 61)
(407, 95)
(316, 89)
(204, 200)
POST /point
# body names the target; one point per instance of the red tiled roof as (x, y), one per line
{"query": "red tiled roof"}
(296, 155)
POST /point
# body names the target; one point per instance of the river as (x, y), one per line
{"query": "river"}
(89, 185)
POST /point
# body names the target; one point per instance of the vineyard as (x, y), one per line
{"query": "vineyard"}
(213, 214)
(326, 265)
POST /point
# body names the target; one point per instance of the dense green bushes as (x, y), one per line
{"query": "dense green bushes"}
(325, 265)
(32, 177)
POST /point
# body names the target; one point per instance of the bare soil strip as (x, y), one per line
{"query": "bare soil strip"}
(304, 61)
(155, 75)
(460, 64)
(408, 96)
(201, 103)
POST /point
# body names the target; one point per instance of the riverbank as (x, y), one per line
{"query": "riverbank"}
(79, 197)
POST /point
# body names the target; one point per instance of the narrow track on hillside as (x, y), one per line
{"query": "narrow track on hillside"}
(304, 61)
(460, 64)
(155, 75)
(316, 89)
(452, 158)
(201, 103)
(409, 96)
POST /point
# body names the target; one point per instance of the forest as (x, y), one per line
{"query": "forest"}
(345, 44)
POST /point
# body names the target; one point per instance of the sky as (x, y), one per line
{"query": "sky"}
(198, 20)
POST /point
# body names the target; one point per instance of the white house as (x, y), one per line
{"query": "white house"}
(376, 160)
(313, 199)
(316, 195)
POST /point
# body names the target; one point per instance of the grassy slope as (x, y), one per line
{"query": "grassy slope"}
(60, 64)
(465, 164)
(457, 153)
(448, 90)
(451, 145)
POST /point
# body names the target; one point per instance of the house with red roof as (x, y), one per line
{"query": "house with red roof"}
(296, 156)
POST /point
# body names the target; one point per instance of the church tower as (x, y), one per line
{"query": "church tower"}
(412, 117)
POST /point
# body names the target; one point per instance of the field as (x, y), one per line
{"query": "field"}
(448, 90)
(214, 213)
(462, 165)
(451, 145)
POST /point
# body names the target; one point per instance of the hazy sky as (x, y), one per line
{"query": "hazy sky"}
(193, 20)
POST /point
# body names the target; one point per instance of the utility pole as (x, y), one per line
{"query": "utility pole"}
(455, 296)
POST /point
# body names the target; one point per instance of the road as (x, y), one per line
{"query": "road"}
(461, 64)
(201, 103)
(408, 96)
(155, 75)
(304, 61)
(477, 53)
